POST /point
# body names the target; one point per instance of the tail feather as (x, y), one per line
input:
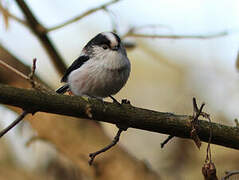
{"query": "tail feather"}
(62, 89)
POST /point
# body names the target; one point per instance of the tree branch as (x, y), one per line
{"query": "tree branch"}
(140, 35)
(5, 12)
(229, 174)
(161, 122)
(93, 10)
(113, 143)
(14, 123)
(40, 32)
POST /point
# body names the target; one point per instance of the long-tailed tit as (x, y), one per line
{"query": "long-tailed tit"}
(101, 70)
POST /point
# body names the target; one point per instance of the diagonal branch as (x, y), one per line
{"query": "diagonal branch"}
(40, 33)
(91, 11)
(167, 123)
(113, 143)
(4, 64)
(5, 12)
(229, 174)
(13, 124)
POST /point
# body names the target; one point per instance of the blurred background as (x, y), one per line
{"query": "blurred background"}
(179, 49)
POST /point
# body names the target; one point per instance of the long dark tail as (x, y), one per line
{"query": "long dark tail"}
(62, 89)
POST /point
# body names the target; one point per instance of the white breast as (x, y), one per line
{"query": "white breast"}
(100, 77)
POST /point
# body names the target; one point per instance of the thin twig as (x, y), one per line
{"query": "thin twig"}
(29, 78)
(32, 73)
(198, 113)
(139, 35)
(113, 143)
(194, 123)
(14, 70)
(151, 26)
(12, 16)
(166, 141)
(41, 34)
(93, 10)
(33, 83)
(33, 68)
(230, 173)
(14, 123)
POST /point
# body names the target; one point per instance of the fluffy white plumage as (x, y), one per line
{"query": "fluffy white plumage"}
(106, 71)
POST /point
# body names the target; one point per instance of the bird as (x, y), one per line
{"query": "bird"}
(101, 70)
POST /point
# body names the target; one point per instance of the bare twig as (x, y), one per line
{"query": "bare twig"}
(32, 73)
(196, 113)
(2, 63)
(139, 35)
(146, 26)
(209, 168)
(33, 83)
(93, 10)
(29, 78)
(166, 141)
(12, 16)
(194, 123)
(40, 33)
(33, 69)
(229, 174)
(5, 15)
(113, 143)
(13, 124)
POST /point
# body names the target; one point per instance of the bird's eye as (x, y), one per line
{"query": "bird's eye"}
(104, 46)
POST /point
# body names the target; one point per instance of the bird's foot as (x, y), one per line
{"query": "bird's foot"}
(114, 100)
(125, 101)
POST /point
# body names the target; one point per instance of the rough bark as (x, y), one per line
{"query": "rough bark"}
(126, 115)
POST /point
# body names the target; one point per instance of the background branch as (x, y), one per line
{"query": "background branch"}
(229, 174)
(6, 13)
(93, 10)
(167, 123)
(14, 123)
(141, 35)
(40, 33)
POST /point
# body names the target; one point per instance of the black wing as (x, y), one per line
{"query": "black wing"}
(62, 89)
(75, 65)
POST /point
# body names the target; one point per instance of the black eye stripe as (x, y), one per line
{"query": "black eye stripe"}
(117, 38)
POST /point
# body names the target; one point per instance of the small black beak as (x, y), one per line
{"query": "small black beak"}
(115, 48)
